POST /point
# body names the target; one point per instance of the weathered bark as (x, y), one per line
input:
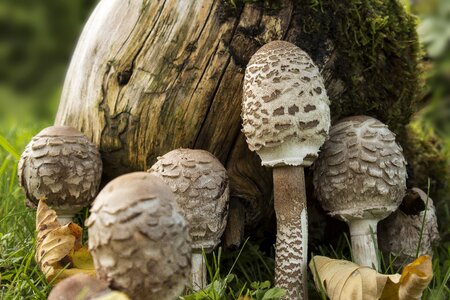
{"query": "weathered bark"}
(151, 76)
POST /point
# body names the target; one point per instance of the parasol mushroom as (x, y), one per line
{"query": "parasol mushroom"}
(63, 166)
(137, 238)
(200, 184)
(286, 119)
(360, 178)
(416, 223)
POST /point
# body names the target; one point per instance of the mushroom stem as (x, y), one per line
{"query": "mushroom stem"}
(66, 214)
(292, 231)
(64, 219)
(198, 270)
(363, 234)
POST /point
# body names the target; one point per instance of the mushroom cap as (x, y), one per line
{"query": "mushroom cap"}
(285, 111)
(139, 242)
(361, 171)
(200, 184)
(61, 164)
(79, 286)
(407, 224)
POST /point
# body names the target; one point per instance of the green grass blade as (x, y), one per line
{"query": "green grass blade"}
(9, 148)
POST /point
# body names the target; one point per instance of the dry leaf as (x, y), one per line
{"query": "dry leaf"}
(415, 278)
(343, 280)
(59, 246)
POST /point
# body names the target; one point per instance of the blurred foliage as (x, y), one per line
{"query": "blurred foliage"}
(37, 38)
(434, 32)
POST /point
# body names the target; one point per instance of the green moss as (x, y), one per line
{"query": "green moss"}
(428, 159)
(377, 55)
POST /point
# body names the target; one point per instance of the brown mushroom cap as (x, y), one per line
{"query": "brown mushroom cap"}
(361, 171)
(139, 242)
(400, 233)
(285, 111)
(200, 184)
(61, 164)
(79, 286)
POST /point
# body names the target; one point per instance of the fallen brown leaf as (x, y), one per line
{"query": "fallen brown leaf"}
(343, 280)
(59, 246)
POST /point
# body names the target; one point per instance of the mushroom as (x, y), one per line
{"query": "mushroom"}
(84, 287)
(286, 119)
(360, 178)
(63, 166)
(200, 184)
(415, 223)
(138, 240)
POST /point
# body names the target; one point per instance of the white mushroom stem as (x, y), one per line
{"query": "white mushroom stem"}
(364, 242)
(65, 219)
(198, 270)
(292, 231)
(65, 215)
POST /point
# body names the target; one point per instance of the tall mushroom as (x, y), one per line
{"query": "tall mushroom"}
(360, 178)
(415, 222)
(138, 240)
(63, 166)
(286, 119)
(200, 184)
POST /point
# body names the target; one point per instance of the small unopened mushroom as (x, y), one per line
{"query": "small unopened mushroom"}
(138, 239)
(63, 166)
(286, 119)
(360, 178)
(413, 224)
(84, 287)
(200, 184)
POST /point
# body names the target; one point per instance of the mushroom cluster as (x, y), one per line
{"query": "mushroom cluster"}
(360, 178)
(139, 241)
(200, 184)
(286, 119)
(63, 166)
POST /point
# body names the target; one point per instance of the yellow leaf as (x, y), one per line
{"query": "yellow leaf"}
(82, 259)
(415, 278)
(342, 279)
(59, 246)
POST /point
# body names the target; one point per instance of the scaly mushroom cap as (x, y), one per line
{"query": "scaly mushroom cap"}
(285, 108)
(61, 164)
(400, 233)
(200, 184)
(138, 240)
(361, 171)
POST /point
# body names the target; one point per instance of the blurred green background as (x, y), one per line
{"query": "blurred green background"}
(36, 41)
